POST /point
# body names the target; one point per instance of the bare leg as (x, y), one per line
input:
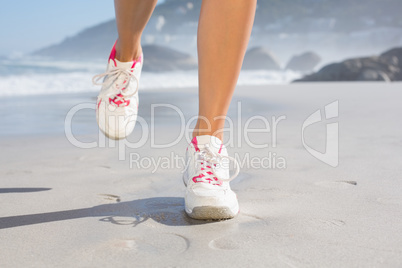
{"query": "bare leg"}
(223, 33)
(131, 18)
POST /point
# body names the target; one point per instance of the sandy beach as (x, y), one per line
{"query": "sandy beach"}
(65, 206)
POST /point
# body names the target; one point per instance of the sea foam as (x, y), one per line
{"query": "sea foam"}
(36, 78)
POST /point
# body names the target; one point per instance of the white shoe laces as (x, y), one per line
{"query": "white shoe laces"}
(207, 156)
(118, 93)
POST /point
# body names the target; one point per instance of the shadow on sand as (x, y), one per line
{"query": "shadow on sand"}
(22, 190)
(164, 210)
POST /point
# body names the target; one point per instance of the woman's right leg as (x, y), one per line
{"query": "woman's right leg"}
(117, 104)
(131, 18)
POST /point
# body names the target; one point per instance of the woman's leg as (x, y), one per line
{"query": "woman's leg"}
(131, 18)
(223, 33)
(118, 88)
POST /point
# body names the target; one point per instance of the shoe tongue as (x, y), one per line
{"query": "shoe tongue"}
(213, 142)
(124, 65)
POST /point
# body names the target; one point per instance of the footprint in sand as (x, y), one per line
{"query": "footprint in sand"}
(104, 166)
(337, 184)
(234, 242)
(111, 197)
(319, 223)
(154, 244)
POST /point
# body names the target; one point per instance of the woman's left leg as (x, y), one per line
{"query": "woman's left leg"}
(223, 33)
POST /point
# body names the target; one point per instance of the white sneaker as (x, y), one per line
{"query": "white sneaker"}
(208, 194)
(117, 104)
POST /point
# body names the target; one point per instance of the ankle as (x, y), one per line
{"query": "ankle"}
(217, 134)
(127, 54)
(205, 127)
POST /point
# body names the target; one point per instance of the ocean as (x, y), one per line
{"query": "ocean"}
(19, 77)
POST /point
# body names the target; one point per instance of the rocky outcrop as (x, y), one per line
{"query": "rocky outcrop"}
(304, 63)
(386, 67)
(159, 59)
(259, 58)
(318, 25)
(394, 57)
(93, 43)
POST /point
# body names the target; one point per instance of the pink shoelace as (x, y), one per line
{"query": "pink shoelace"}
(207, 161)
(118, 95)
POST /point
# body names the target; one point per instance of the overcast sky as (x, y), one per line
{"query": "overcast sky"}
(27, 25)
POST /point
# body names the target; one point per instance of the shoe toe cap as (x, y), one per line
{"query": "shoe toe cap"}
(115, 125)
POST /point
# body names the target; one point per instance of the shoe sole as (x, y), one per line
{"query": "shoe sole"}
(112, 137)
(211, 213)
